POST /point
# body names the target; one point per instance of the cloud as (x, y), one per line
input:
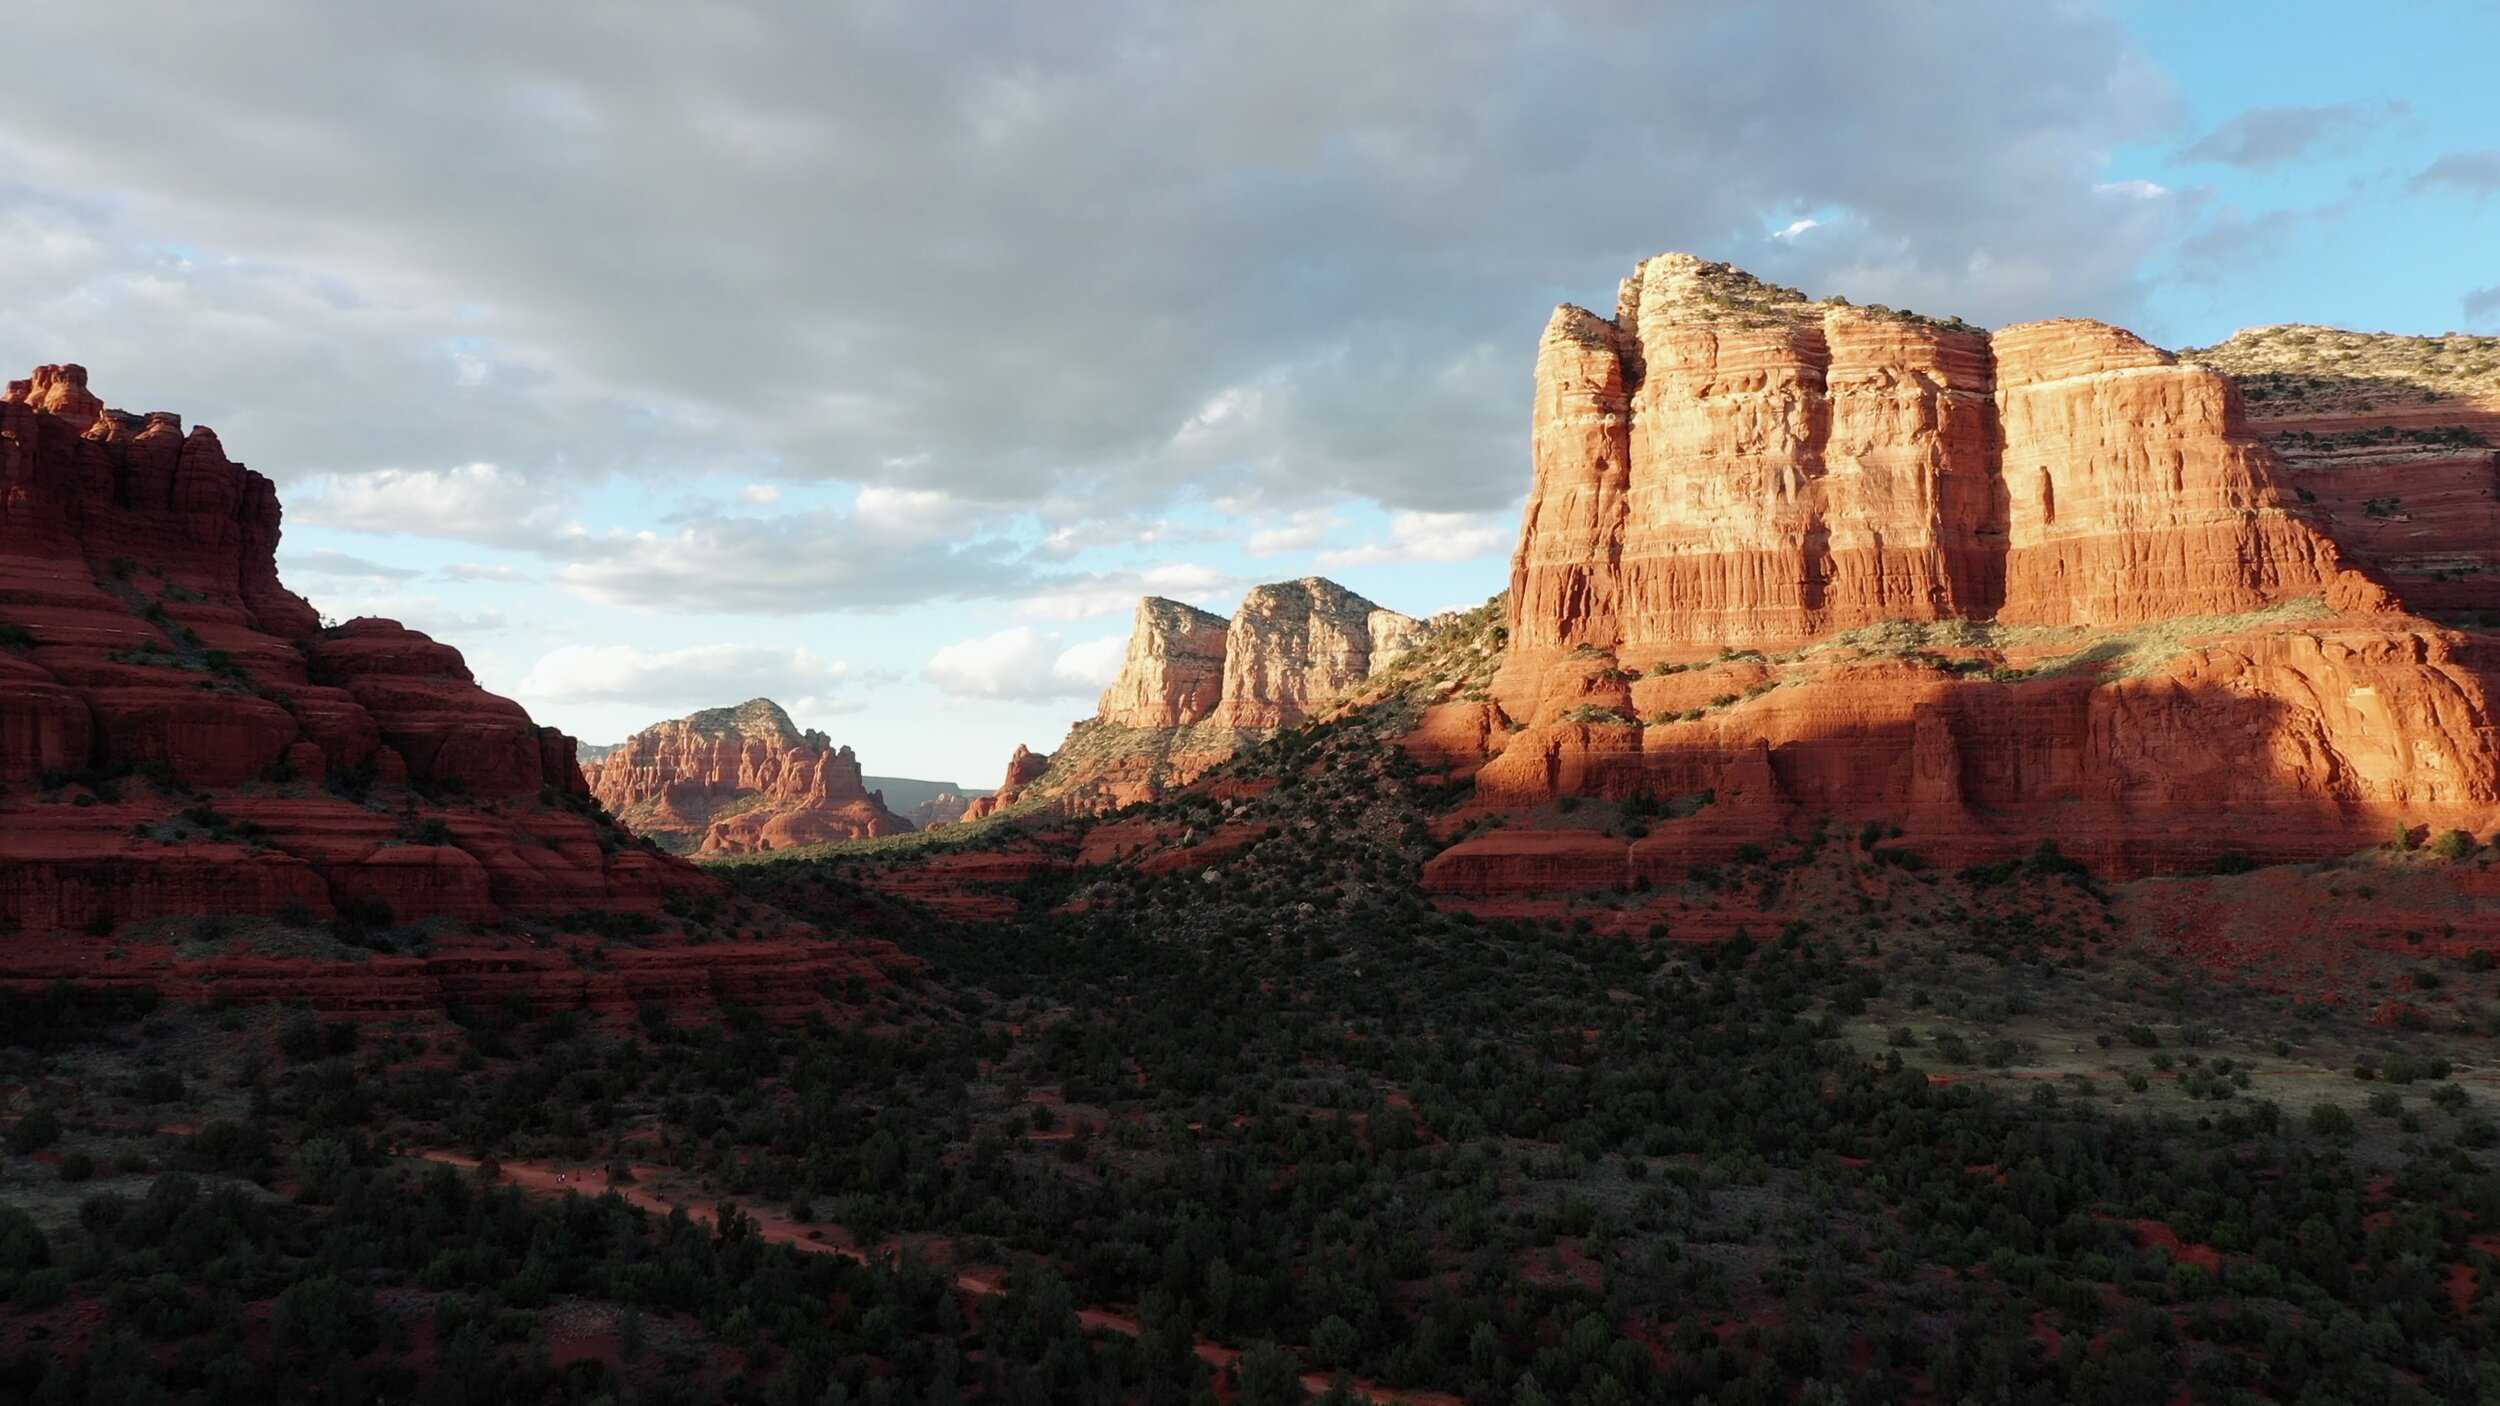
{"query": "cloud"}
(2474, 171)
(2133, 189)
(700, 676)
(1117, 593)
(2483, 305)
(341, 566)
(1795, 228)
(1026, 665)
(481, 503)
(794, 564)
(913, 514)
(2263, 137)
(1431, 537)
(426, 614)
(1300, 532)
(1106, 251)
(467, 571)
(2234, 237)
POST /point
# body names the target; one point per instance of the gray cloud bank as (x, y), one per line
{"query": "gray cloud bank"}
(1100, 250)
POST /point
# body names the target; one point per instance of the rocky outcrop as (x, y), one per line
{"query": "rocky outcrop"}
(1793, 561)
(180, 736)
(1724, 463)
(1174, 674)
(739, 780)
(1296, 645)
(1196, 688)
(1023, 769)
(1787, 561)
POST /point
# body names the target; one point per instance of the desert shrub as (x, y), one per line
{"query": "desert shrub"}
(2330, 1121)
(2453, 845)
(38, 1129)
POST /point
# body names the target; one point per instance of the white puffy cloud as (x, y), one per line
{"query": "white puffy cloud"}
(912, 514)
(1431, 537)
(697, 676)
(1300, 532)
(482, 503)
(1117, 593)
(1027, 665)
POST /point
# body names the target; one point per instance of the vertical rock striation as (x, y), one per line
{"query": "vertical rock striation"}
(1788, 559)
(1728, 464)
(1173, 674)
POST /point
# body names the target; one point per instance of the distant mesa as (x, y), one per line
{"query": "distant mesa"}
(740, 780)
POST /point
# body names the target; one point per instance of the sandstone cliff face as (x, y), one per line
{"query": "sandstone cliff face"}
(1794, 560)
(1295, 645)
(738, 780)
(1196, 688)
(179, 735)
(1174, 672)
(1728, 464)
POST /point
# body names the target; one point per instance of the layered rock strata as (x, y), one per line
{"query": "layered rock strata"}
(2391, 443)
(1789, 560)
(739, 780)
(180, 735)
(1726, 463)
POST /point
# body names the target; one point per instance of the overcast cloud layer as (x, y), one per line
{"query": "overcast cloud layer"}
(1014, 252)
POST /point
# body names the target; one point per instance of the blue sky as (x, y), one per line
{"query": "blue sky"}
(876, 357)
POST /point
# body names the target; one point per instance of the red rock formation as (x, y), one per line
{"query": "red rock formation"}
(944, 808)
(1023, 769)
(2089, 605)
(739, 780)
(1174, 672)
(1726, 463)
(180, 736)
(1296, 645)
(1196, 689)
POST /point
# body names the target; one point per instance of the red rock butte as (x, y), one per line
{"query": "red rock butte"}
(180, 735)
(737, 781)
(1807, 559)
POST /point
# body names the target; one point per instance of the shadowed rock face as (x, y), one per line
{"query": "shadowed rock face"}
(736, 780)
(2391, 444)
(1807, 560)
(179, 734)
